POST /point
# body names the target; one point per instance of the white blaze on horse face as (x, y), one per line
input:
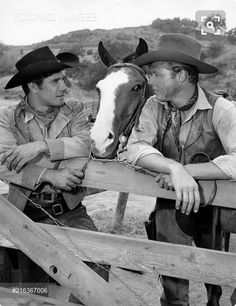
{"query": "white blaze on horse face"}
(102, 132)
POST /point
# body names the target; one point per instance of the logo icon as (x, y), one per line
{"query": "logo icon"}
(211, 22)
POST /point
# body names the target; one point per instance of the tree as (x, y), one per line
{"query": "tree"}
(231, 36)
(175, 25)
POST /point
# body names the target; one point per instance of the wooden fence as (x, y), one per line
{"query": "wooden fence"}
(59, 251)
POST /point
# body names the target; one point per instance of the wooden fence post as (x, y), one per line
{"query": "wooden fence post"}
(55, 259)
(120, 211)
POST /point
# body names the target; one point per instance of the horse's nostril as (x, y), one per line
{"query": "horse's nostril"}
(110, 136)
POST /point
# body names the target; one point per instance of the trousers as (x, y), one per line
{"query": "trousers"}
(174, 227)
(32, 275)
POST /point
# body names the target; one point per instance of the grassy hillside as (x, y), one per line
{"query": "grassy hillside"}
(90, 39)
(121, 42)
(82, 41)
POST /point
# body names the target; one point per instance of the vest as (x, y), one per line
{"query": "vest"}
(201, 138)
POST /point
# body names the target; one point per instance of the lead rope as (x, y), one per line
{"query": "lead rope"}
(137, 169)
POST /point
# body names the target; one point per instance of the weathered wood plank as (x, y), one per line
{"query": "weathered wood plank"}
(112, 175)
(55, 259)
(3, 188)
(120, 211)
(9, 298)
(149, 256)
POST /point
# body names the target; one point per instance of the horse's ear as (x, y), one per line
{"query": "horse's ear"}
(105, 56)
(141, 48)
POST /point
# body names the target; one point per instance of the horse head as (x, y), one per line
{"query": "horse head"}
(122, 93)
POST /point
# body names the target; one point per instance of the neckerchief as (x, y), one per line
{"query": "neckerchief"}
(46, 118)
(174, 115)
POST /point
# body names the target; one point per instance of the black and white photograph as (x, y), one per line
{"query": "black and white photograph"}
(117, 153)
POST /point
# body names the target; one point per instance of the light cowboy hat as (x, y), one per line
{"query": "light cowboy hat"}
(178, 48)
(39, 63)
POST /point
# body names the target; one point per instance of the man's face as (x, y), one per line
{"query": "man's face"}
(52, 91)
(163, 80)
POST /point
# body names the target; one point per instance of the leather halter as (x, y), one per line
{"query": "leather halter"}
(128, 65)
(134, 120)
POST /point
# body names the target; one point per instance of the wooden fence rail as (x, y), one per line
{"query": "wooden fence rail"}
(59, 251)
(112, 175)
(145, 255)
(55, 259)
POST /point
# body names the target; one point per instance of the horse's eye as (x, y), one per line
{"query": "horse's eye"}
(137, 87)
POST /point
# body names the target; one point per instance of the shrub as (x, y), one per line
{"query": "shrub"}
(123, 36)
(231, 36)
(90, 52)
(87, 74)
(215, 49)
(7, 64)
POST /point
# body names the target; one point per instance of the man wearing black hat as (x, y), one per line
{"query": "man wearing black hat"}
(184, 132)
(35, 137)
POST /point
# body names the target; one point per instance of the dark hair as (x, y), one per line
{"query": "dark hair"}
(25, 86)
(38, 82)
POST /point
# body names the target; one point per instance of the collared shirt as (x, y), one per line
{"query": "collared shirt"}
(61, 145)
(142, 142)
(43, 128)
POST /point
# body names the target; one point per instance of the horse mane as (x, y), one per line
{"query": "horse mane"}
(148, 93)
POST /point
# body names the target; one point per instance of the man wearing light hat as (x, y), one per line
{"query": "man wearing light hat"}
(184, 132)
(35, 137)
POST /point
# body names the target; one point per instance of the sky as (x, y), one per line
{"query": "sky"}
(23, 22)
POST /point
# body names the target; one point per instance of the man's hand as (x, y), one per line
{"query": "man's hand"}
(186, 188)
(164, 181)
(17, 158)
(66, 178)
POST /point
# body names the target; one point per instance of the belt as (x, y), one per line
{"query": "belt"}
(53, 203)
(46, 197)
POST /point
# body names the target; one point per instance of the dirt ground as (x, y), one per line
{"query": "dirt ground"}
(143, 289)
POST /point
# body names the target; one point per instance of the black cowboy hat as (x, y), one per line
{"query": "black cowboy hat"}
(36, 64)
(178, 48)
(68, 58)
